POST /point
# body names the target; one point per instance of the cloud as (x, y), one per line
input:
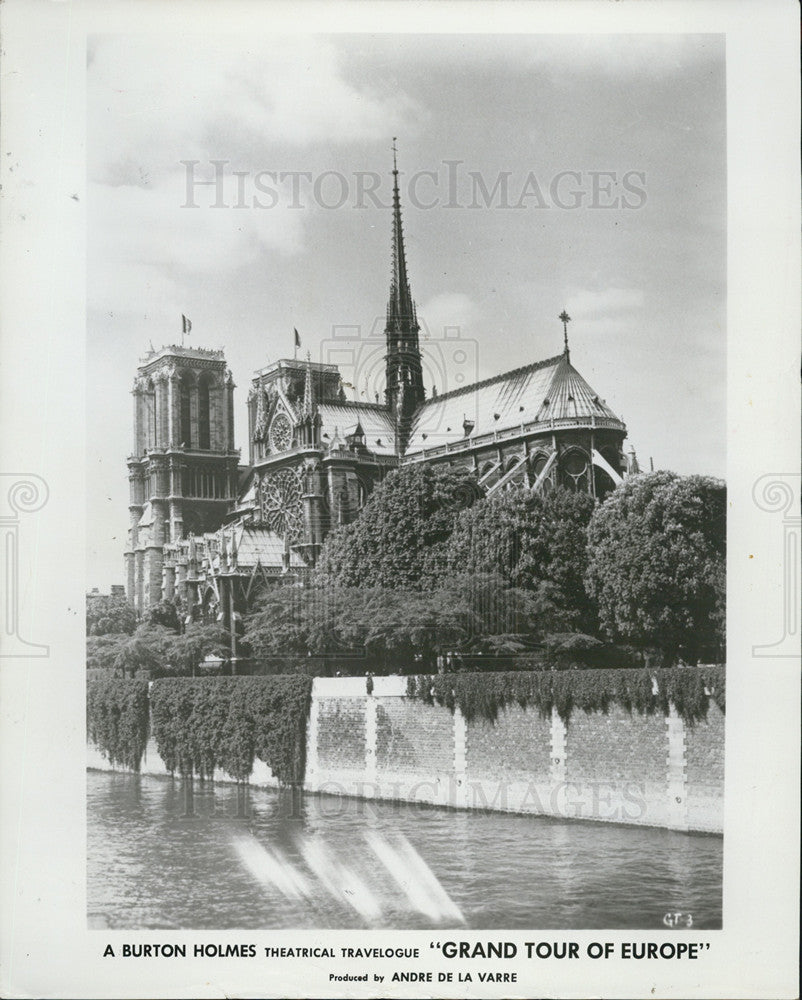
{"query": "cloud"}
(155, 100)
(143, 244)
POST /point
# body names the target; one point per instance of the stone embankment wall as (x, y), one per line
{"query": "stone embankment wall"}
(614, 767)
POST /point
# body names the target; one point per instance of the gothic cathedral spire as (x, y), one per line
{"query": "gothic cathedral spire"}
(404, 390)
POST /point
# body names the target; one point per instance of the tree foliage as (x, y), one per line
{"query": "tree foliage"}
(657, 548)
(109, 616)
(398, 627)
(185, 652)
(480, 695)
(227, 722)
(145, 650)
(117, 718)
(102, 650)
(398, 540)
(165, 613)
(534, 542)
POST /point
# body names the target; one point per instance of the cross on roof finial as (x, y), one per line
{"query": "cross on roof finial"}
(566, 319)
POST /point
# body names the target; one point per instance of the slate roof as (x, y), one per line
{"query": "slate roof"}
(258, 544)
(255, 544)
(376, 421)
(546, 390)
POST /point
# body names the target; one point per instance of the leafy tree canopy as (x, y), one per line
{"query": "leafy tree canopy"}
(399, 537)
(164, 613)
(102, 650)
(109, 616)
(185, 652)
(530, 540)
(397, 626)
(657, 548)
(146, 649)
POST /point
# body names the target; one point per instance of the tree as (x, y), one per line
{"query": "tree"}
(164, 613)
(186, 652)
(146, 650)
(279, 625)
(109, 616)
(657, 567)
(533, 542)
(102, 650)
(399, 628)
(399, 537)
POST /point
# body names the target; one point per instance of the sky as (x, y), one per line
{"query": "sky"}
(537, 173)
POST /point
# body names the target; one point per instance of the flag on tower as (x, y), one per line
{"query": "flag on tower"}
(297, 342)
(186, 324)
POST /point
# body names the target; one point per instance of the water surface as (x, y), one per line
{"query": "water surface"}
(310, 862)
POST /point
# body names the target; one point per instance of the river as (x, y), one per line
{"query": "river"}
(271, 861)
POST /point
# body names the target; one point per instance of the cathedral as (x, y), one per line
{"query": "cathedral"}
(211, 532)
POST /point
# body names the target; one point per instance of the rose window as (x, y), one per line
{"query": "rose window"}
(280, 502)
(281, 432)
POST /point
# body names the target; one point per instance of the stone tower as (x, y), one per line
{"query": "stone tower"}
(183, 469)
(404, 391)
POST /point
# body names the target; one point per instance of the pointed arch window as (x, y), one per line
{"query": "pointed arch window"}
(204, 415)
(185, 413)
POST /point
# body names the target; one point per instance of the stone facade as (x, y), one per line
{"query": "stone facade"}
(183, 470)
(211, 533)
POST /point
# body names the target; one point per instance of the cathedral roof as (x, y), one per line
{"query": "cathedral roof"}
(534, 395)
(377, 423)
(256, 544)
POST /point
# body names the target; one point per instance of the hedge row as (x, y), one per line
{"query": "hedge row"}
(117, 718)
(201, 724)
(646, 691)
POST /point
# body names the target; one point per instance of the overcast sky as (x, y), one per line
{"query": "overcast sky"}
(603, 160)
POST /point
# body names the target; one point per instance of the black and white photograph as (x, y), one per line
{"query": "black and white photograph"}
(422, 458)
(390, 542)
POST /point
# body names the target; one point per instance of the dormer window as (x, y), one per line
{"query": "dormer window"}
(356, 439)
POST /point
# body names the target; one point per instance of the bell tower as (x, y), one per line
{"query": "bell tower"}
(404, 390)
(183, 469)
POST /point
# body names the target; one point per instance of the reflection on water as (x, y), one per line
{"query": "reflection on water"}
(313, 861)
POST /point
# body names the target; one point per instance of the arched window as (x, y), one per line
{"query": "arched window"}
(574, 467)
(185, 414)
(150, 415)
(537, 464)
(204, 420)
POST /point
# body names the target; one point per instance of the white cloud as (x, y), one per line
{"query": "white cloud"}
(155, 100)
(143, 244)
